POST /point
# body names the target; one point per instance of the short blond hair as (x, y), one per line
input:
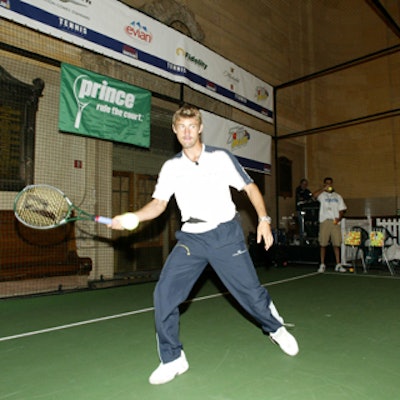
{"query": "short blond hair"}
(187, 111)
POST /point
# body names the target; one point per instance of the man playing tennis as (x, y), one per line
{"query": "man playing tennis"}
(199, 177)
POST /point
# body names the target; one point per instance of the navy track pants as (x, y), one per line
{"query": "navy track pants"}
(224, 248)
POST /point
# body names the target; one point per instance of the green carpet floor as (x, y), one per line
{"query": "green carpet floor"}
(100, 344)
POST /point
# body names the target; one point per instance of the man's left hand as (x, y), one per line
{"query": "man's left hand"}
(264, 232)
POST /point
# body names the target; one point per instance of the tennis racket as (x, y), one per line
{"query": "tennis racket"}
(46, 207)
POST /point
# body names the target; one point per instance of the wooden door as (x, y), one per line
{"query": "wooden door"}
(146, 248)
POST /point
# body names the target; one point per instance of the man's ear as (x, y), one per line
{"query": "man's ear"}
(201, 128)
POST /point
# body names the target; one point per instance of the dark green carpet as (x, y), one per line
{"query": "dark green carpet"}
(347, 327)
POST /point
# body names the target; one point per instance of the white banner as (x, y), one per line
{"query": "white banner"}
(252, 148)
(120, 32)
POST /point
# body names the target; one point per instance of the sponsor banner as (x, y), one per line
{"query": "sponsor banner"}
(143, 42)
(252, 148)
(99, 106)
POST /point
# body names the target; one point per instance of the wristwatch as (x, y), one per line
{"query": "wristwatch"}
(265, 218)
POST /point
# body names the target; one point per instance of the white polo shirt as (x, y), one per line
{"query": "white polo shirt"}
(201, 189)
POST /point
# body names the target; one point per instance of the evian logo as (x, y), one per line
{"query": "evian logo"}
(238, 137)
(137, 31)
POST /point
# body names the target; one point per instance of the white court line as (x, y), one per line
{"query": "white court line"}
(143, 310)
(87, 322)
(367, 275)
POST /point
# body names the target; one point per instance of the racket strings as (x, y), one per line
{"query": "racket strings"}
(42, 206)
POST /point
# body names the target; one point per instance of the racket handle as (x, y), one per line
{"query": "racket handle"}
(103, 220)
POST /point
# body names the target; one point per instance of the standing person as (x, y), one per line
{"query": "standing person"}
(303, 194)
(332, 209)
(199, 177)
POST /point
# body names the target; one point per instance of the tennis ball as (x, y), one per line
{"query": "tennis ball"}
(130, 221)
(351, 269)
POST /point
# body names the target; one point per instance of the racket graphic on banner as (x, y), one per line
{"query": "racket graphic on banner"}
(45, 207)
(81, 105)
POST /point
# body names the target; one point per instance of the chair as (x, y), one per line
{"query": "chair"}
(380, 239)
(356, 239)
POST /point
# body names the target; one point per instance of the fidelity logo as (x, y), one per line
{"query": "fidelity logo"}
(191, 58)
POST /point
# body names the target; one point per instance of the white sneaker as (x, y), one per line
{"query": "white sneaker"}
(339, 268)
(168, 371)
(285, 340)
(321, 268)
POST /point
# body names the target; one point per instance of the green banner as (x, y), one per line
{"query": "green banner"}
(99, 106)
